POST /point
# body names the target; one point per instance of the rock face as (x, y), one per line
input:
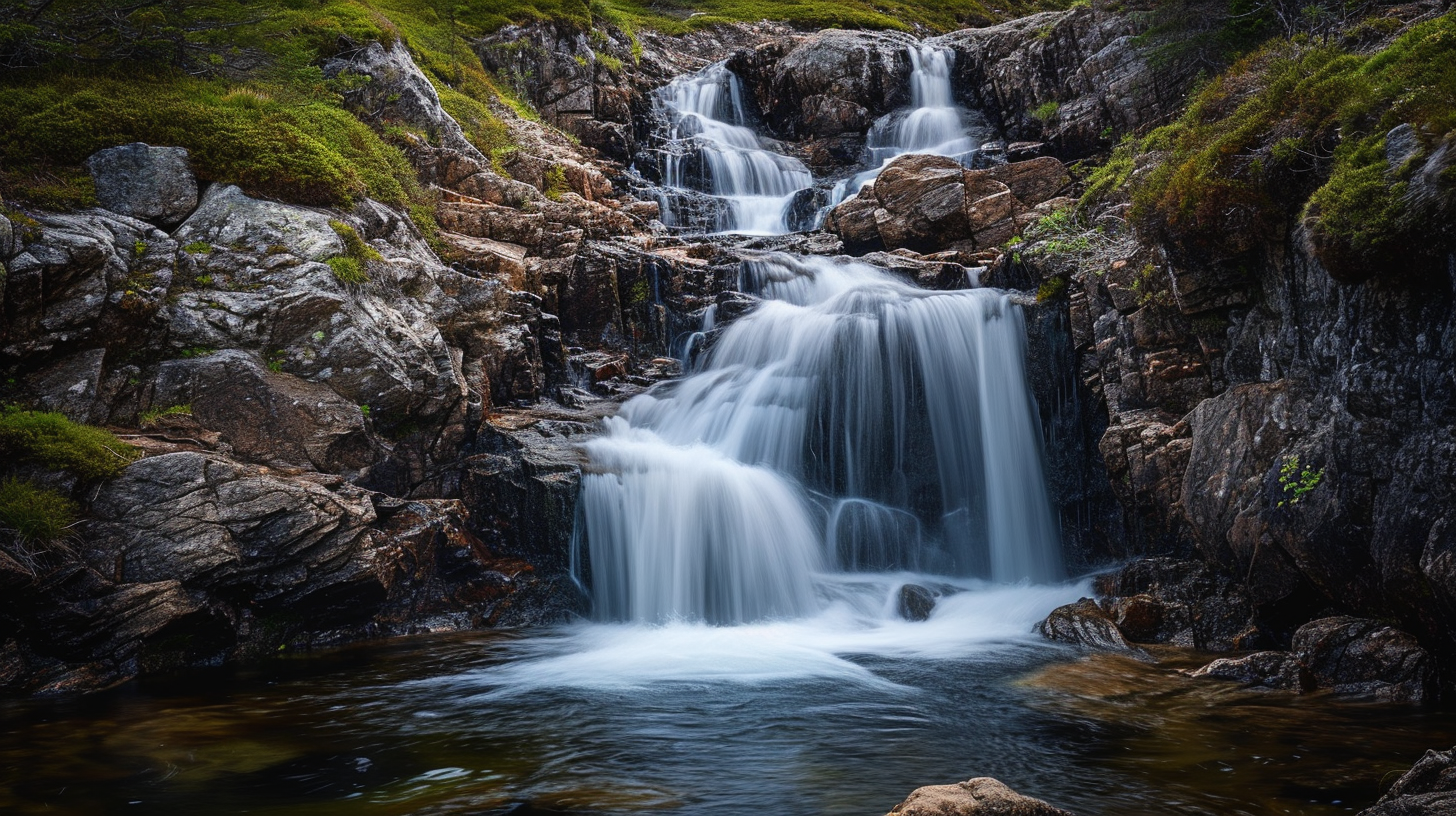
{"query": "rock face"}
(1427, 789)
(930, 203)
(982, 796)
(1075, 79)
(149, 183)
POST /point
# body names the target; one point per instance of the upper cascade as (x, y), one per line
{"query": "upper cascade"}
(710, 149)
(851, 422)
(933, 123)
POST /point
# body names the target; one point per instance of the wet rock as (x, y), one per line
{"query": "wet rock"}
(835, 81)
(1084, 623)
(1184, 603)
(1276, 670)
(982, 796)
(150, 183)
(1427, 789)
(1364, 657)
(915, 602)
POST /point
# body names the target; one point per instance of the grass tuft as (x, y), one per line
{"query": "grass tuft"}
(51, 440)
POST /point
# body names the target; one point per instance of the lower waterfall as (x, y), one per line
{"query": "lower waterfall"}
(851, 422)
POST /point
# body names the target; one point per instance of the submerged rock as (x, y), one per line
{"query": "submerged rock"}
(982, 796)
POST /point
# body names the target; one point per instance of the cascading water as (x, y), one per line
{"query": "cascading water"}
(933, 123)
(710, 151)
(851, 421)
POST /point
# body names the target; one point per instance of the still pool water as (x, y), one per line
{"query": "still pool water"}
(840, 714)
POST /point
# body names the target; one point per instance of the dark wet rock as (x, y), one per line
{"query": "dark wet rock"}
(1348, 656)
(1427, 789)
(982, 796)
(1183, 603)
(1367, 658)
(1276, 670)
(1084, 623)
(149, 183)
(915, 602)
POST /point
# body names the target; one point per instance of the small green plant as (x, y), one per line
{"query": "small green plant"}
(51, 440)
(348, 270)
(1046, 111)
(149, 418)
(364, 409)
(276, 360)
(198, 248)
(610, 62)
(203, 280)
(555, 183)
(139, 248)
(35, 515)
(1296, 481)
(1051, 289)
(195, 352)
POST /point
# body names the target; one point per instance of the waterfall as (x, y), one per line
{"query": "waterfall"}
(852, 421)
(710, 152)
(932, 124)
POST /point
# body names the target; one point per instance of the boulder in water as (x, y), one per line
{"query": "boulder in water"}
(1365, 657)
(982, 796)
(916, 602)
(1277, 670)
(1084, 623)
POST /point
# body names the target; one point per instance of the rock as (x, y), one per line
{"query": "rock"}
(1084, 623)
(922, 202)
(832, 82)
(1277, 670)
(1184, 603)
(1139, 617)
(1363, 657)
(1034, 180)
(854, 221)
(227, 216)
(150, 183)
(1427, 789)
(982, 796)
(915, 603)
(398, 91)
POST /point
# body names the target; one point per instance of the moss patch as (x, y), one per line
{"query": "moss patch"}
(51, 440)
(34, 515)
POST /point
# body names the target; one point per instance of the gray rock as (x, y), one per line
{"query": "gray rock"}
(150, 183)
(227, 217)
(982, 796)
(1276, 670)
(1427, 789)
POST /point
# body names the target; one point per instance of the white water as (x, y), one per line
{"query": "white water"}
(851, 421)
(933, 124)
(710, 149)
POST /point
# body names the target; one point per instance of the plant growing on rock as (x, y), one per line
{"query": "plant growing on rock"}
(38, 520)
(1295, 481)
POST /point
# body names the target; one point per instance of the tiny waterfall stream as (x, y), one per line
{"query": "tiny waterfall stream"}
(745, 532)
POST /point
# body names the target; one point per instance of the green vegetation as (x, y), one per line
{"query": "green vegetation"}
(1051, 289)
(35, 516)
(1046, 111)
(556, 185)
(150, 417)
(1295, 482)
(1297, 129)
(55, 442)
(352, 266)
(198, 248)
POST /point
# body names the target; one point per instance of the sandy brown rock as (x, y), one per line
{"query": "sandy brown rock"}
(982, 796)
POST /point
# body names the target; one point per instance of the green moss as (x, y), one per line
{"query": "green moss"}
(1046, 111)
(198, 248)
(1051, 289)
(53, 441)
(1295, 129)
(354, 246)
(348, 270)
(34, 515)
